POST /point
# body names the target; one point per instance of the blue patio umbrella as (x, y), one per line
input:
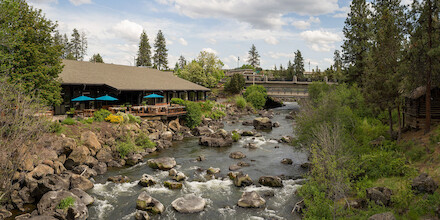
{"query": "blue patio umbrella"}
(106, 98)
(153, 96)
(82, 99)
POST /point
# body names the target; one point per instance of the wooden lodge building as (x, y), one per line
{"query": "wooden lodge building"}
(415, 107)
(127, 83)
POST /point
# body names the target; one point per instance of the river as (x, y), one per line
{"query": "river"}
(118, 201)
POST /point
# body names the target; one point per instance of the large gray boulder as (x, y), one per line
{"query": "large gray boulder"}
(147, 203)
(78, 156)
(237, 155)
(251, 200)
(80, 182)
(90, 140)
(424, 184)
(383, 216)
(141, 215)
(241, 179)
(163, 163)
(49, 205)
(221, 138)
(167, 136)
(85, 198)
(380, 195)
(272, 181)
(202, 131)
(262, 123)
(189, 204)
(147, 181)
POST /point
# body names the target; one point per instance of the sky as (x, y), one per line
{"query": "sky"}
(227, 28)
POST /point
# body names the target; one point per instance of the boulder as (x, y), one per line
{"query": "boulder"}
(241, 179)
(424, 184)
(85, 198)
(251, 200)
(380, 195)
(237, 155)
(247, 133)
(104, 155)
(28, 163)
(80, 182)
(243, 164)
(276, 124)
(4, 213)
(154, 136)
(58, 167)
(85, 171)
(49, 183)
(133, 159)
(90, 140)
(40, 171)
(173, 184)
(212, 171)
(383, 216)
(147, 203)
(167, 136)
(234, 167)
(78, 156)
(200, 158)
(100, 168)
(163, 163)
(48, 163)
(119, 179)
(189, 204)
(172, 172)
(272, 181)
(286, 139)
(202, 131)
(287, 161)
(141, 215)
(49, 202)
(174, 125)
(247, 123)
(147, 181)
(250, 146)
(262, 123)
(179, 176)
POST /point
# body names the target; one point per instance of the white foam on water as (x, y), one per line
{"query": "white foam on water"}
(285, 193)
(136, 166)
(102, 207)
(129, 216)
(193, 168)
(226, 212)
(256, 218)
(272, 141)
(215, 185)
(161, 174)
(108, 191)
(158, 189)
(256, 188)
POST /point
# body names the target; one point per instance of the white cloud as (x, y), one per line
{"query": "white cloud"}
(321, 41)
(343, 12)
(212, 41)
(328, 60)
(183, 41)
(128, 30)
(80, 2)
(210, 50)
(305, 24)
(44, 1)
(277, 55)
(271, 40)
(266, 14)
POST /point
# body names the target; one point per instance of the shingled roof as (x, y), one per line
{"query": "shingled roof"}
(124, 77)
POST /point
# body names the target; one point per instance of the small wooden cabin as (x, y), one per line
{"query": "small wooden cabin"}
(415, 107)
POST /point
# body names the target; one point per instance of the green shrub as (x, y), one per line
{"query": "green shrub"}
(143, 141)
(257, 99)
(68, 121)
(134, 119)
(235, 84)
(235, 136)
(193, 114)
(125, 116)
(215, 114)
(126, 147)
(177, 101)
(55, 127)
(240, 102)
(66, 203)
(255, 88)
(101, 114)
(379, 163)
(316, 201)
(207, 105)
(86, 121)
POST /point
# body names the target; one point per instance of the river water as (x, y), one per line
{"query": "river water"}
(118, 201)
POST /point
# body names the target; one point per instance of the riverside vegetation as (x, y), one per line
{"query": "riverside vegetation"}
(351, 152)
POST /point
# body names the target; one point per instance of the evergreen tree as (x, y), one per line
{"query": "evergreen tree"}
(290, 70)
(357, 42)
(96, 58)
(423, 52)
(67, 50)
(298, 65)
(181, 62)
(144, 52)
(29, 56)
(78, 45)
(337, 65)
(160, 52)
(254, 57)
(382, 78)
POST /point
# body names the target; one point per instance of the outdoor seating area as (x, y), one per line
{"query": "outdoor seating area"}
(162, 109)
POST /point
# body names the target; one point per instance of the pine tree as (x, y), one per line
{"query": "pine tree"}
(96, 58)
(78, 45)
(357, 42)
(144, 52)
(423, 52)
(254, 57)
(182, 62)
(298, 65)
(160, 52)
(382, 78)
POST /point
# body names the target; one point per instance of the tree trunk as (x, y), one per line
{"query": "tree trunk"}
(400, 123)
(390, 121)
(428, 74)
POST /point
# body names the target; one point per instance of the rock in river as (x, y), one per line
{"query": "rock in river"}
(263, 123)
(163, 163)
(237, 155)
(272, 181)
(189, 204)
(251, 200)
(147, 203)
(173, 185)
(146, 181)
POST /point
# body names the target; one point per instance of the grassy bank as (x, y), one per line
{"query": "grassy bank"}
(351, 150)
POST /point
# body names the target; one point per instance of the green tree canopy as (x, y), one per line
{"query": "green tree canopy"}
(160, 52)
(96, 58)
(235, 83)
(144, 52)
(298, 65)
(29, 55)
(77, 48)
(205, 70)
